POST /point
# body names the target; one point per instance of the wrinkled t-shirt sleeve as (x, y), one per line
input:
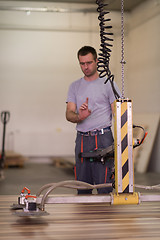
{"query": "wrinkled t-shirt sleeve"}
(71, 97)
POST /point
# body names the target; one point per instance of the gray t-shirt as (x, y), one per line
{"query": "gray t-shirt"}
(100, 96)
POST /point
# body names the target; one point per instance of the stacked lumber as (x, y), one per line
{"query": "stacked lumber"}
(13, 159)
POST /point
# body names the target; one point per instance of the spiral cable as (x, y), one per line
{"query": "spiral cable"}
(105, 46)
(103, 60)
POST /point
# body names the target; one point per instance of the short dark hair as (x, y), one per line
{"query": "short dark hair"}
(85, 50)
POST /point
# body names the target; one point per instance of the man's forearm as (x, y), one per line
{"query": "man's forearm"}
(72, 117)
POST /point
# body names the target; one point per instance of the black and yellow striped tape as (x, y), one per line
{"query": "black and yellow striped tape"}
(124, 148)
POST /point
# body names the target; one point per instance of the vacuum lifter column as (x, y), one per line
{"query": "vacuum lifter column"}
(123, 145)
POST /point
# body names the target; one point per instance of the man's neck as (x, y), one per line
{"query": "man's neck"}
(92, 78)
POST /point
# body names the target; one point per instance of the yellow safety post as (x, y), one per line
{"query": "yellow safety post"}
(123, 145)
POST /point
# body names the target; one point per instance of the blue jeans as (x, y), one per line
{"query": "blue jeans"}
(93, 172)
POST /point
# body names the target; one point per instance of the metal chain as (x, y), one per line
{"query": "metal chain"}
(122, 46)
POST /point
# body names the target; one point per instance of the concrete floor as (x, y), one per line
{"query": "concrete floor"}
(34, 175)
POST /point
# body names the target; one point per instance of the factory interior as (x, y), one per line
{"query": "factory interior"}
(38, 62)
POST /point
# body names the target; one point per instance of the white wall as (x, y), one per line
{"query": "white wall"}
(143, 76)
(38, 62)
(144, 57)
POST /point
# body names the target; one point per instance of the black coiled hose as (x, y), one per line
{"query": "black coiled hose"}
(104, 55)
(103, 60)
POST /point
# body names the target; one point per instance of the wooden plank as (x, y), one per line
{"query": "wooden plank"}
(82, 221)
(14, 159)
(62, 162)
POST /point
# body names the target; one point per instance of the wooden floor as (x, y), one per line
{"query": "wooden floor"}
(82, 222)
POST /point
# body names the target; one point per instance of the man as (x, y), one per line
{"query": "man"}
(90, 106)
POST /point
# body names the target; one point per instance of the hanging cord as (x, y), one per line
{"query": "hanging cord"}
(103, 60)
(104, 55)
(122, 46)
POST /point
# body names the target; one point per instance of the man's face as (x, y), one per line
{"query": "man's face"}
(88, 64)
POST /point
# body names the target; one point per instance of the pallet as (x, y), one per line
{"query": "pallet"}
(13, 159)
(61, 162)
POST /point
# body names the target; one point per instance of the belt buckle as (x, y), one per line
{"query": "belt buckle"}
(86, 134)
(93, 132)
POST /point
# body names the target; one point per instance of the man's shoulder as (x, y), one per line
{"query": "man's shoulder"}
(76, 82)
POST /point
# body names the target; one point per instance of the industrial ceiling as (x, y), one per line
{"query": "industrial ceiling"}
(129, 5)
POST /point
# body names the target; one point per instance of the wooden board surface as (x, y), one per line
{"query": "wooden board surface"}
(82, 221)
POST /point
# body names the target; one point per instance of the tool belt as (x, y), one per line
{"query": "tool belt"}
(95, 132)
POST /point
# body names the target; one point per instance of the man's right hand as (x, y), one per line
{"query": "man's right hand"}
(84, 112)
